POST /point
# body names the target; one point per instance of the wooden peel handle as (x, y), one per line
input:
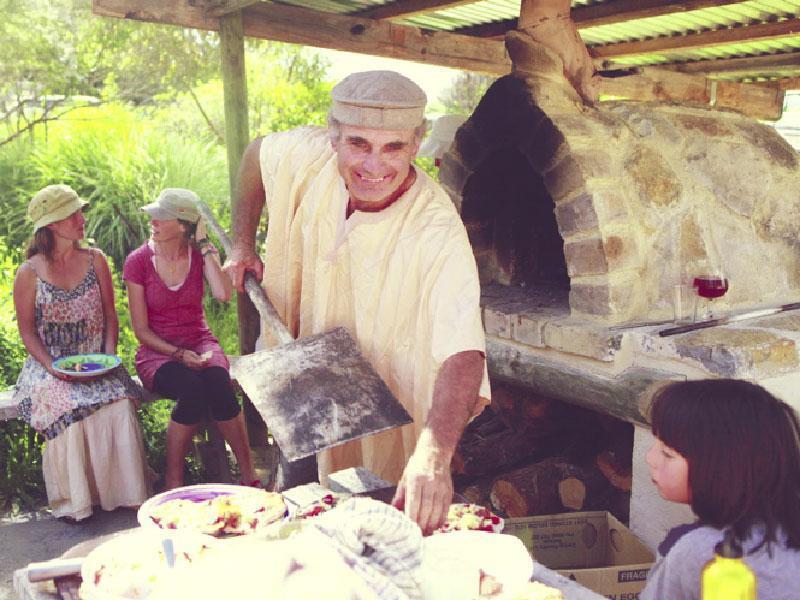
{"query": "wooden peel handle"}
(60, 567)
(264, 307)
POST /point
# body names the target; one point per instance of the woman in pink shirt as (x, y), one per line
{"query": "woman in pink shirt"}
(178, 355)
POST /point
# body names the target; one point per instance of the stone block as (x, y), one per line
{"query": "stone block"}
(577, 215)
(730, 352)
(705, 125)
(544, 147)
(572, 172)
(583, 339)
(609, 204)
(590, 298)
(657, 183)
(497, 323)
(770, 141)
(585, 257)
(554, 94)
(620, 250)
(529, 330)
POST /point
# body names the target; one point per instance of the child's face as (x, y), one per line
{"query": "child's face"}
(670, 472)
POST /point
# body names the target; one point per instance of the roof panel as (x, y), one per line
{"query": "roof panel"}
(732, 15)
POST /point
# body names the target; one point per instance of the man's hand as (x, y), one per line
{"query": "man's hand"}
(240, 262)
(425, 491)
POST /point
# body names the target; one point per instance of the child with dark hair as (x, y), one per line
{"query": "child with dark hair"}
(729, 449)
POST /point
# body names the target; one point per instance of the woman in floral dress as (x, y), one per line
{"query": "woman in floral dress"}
(64, 300)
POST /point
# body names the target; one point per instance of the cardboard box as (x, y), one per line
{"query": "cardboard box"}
(592, 548)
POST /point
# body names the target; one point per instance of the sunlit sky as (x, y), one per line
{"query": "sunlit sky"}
(434, 80)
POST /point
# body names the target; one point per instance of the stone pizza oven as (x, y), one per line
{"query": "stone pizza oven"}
(583, 219)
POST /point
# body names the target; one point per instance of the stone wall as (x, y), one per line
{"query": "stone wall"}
(618, 203)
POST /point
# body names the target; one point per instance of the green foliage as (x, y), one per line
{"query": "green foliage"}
(21, 482)
(466, 92)
(12, 351)
(117, 163)
(286, 88)
(58, 47)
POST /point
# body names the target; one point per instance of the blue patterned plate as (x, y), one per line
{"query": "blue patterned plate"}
(86, 365)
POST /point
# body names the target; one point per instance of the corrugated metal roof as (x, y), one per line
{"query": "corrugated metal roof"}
(741, 14)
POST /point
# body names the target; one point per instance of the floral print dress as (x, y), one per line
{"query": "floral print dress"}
(94, 455)
(68, 322)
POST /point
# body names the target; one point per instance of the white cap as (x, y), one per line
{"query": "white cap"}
(378, 100)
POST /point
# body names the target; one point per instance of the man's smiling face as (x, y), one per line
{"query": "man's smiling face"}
(374, 162)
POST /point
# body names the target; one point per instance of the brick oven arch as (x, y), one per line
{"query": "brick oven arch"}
(509, 152)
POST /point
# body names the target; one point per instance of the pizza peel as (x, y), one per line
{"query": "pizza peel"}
(313, 393)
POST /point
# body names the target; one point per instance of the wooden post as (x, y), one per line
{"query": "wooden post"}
(237, 136)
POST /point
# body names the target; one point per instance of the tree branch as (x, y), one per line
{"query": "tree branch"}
(210, 124)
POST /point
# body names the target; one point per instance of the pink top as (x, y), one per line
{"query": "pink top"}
(174, 316)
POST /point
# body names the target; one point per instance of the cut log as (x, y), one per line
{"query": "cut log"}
(551, 486)
(618, 474)
(518, 408)
(495, 453)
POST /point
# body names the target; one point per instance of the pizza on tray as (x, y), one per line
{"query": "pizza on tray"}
(225, 514)
(324, 504)
(465, 516)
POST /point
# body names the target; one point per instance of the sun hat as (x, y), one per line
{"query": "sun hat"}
(442, 135)
(53, 203)
(174, 203)
(378, 100)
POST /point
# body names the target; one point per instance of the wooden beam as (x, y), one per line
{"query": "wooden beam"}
(296, 25)
(495, 30)
(661, 85)
(766, 63)
(617, 11)
(408, 8)
(219, 8)
(603, 13)
(785, 84)
(751, 33)
(234, 85)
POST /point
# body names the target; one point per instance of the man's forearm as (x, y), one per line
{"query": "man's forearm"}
(455, 395)
(246, 214)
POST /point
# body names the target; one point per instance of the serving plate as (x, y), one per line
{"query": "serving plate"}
(86, 365)
(214, 509)
(134, 564)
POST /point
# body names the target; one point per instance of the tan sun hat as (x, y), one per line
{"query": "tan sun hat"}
(174, 203)
(53, 203)
(442, 135)
(378, 100)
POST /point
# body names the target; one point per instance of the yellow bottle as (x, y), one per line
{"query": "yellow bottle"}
(727, 576)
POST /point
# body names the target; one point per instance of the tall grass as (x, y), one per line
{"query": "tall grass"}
(118, 162)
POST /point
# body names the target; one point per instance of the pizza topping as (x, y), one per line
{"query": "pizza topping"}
(225, 514)
(471, 517)
(324, 504)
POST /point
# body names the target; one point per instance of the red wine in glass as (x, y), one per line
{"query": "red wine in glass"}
(711, 286)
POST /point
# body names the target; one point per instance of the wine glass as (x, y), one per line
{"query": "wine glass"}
(709, 284)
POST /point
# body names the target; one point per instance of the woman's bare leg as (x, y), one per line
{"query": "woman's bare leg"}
(234, 432)
(179, 437)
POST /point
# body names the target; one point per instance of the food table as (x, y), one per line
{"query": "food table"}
(355, 482)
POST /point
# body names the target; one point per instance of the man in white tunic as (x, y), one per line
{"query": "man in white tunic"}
(359, 238)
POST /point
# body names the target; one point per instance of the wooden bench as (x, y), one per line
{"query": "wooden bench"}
(211, 452)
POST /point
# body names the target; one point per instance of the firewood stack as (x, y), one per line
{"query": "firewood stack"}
(529, 455)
